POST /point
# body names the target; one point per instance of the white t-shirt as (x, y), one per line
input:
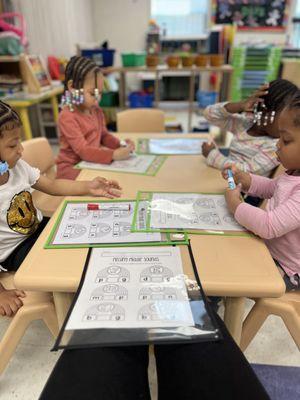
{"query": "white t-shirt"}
(18, 216)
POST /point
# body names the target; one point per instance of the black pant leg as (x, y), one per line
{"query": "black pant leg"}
(206, 371)
(15, 259)
(109, 373)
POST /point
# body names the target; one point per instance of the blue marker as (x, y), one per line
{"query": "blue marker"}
(230, 180)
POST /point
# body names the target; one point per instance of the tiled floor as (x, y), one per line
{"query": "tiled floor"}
(31, 364)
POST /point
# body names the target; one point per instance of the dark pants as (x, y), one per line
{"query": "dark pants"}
(208, 370)
(15, 259)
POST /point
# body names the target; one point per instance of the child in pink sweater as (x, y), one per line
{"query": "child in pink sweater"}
(279, 224)
(83, 133)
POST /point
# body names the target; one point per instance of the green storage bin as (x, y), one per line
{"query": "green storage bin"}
(133, 59)
(109, 99)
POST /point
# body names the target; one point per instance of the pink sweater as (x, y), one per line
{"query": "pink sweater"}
(83, 137)
(279, 225)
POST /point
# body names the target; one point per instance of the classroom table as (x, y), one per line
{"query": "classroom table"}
(22, 101)
(235, 267)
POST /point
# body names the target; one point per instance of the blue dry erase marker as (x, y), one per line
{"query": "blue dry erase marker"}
(230, 180)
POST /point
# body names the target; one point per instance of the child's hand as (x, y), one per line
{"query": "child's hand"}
(207, 148)
(104, 188)
(256, 97)
(233, 198)
(240, 177)
(10, 302)
(122, 153)
(130, 144)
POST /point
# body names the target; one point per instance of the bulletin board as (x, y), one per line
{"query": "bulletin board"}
(269, 15)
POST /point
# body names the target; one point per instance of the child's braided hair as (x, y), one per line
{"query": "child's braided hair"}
(77, 69)
(279, 93)
(294, 104)
(9, 119)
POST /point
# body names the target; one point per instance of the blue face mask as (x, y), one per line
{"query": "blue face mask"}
(3, 167)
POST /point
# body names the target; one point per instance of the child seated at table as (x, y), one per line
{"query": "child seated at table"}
(254, 124)
(20, 222)
(83, 133)
(279, 225)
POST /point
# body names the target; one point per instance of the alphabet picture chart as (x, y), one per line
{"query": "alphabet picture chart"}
(107, 222)
(136, 287)
(190, 211)
(144, 164)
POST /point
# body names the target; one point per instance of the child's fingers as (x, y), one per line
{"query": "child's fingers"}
(114, 184)
(7, 310)
(18, 302)
(115, 192)
(2, 312)
(20, 293)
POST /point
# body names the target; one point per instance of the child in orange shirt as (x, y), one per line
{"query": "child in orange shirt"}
(83, 133)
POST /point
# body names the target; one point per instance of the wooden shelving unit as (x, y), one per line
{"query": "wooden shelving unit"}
(225, 71)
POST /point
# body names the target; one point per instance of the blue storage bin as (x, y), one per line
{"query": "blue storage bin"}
(206, 98)
(102, 57)
(140, 99)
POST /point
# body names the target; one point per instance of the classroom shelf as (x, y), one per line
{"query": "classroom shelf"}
(225, 73)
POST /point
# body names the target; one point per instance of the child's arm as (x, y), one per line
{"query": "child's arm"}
(219, 115)
(107, 139)
(10, 301)
(262, 163)
(63, 187)
(254, 185)
(228, 116)
(270, 224)
(71, 132)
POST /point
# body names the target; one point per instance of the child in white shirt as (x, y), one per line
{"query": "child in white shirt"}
(20, 222)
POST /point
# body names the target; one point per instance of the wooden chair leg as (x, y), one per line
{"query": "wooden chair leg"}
(50, 320)
(292, 322)
(17, 327)
(252, 324)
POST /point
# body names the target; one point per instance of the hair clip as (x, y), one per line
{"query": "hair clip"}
(81, 97)
(266, 119)
(3, 167)
(272, 117)
(258, 118)
(66, 100)
(97, 94)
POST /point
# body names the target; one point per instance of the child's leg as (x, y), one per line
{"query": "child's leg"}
(15, 259)
(289, 285)
(109, 373)
(207, 370)
(10, 301)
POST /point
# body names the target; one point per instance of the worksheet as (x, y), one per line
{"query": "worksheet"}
(175, 146)
(136, 287)
(146, 164)
(107, 222)
(191, 211)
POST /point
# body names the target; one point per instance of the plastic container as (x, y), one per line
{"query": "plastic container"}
(173, 61)
(206, 98)
(109, 99)
(140, 99)
(152, 60)
(133, 59)
(187, 61)
(201, 60)
(216, 60)
(102, 57)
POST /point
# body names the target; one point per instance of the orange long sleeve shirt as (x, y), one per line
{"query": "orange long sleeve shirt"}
(83, 137)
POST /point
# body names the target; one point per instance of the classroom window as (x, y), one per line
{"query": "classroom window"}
(181, 18)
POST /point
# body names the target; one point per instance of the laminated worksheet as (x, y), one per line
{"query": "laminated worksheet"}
(133, 287)
(191, 211)
(137, 164)
(81, 223)
(174, 146)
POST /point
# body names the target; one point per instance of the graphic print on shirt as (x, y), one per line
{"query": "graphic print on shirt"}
(21, 215)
